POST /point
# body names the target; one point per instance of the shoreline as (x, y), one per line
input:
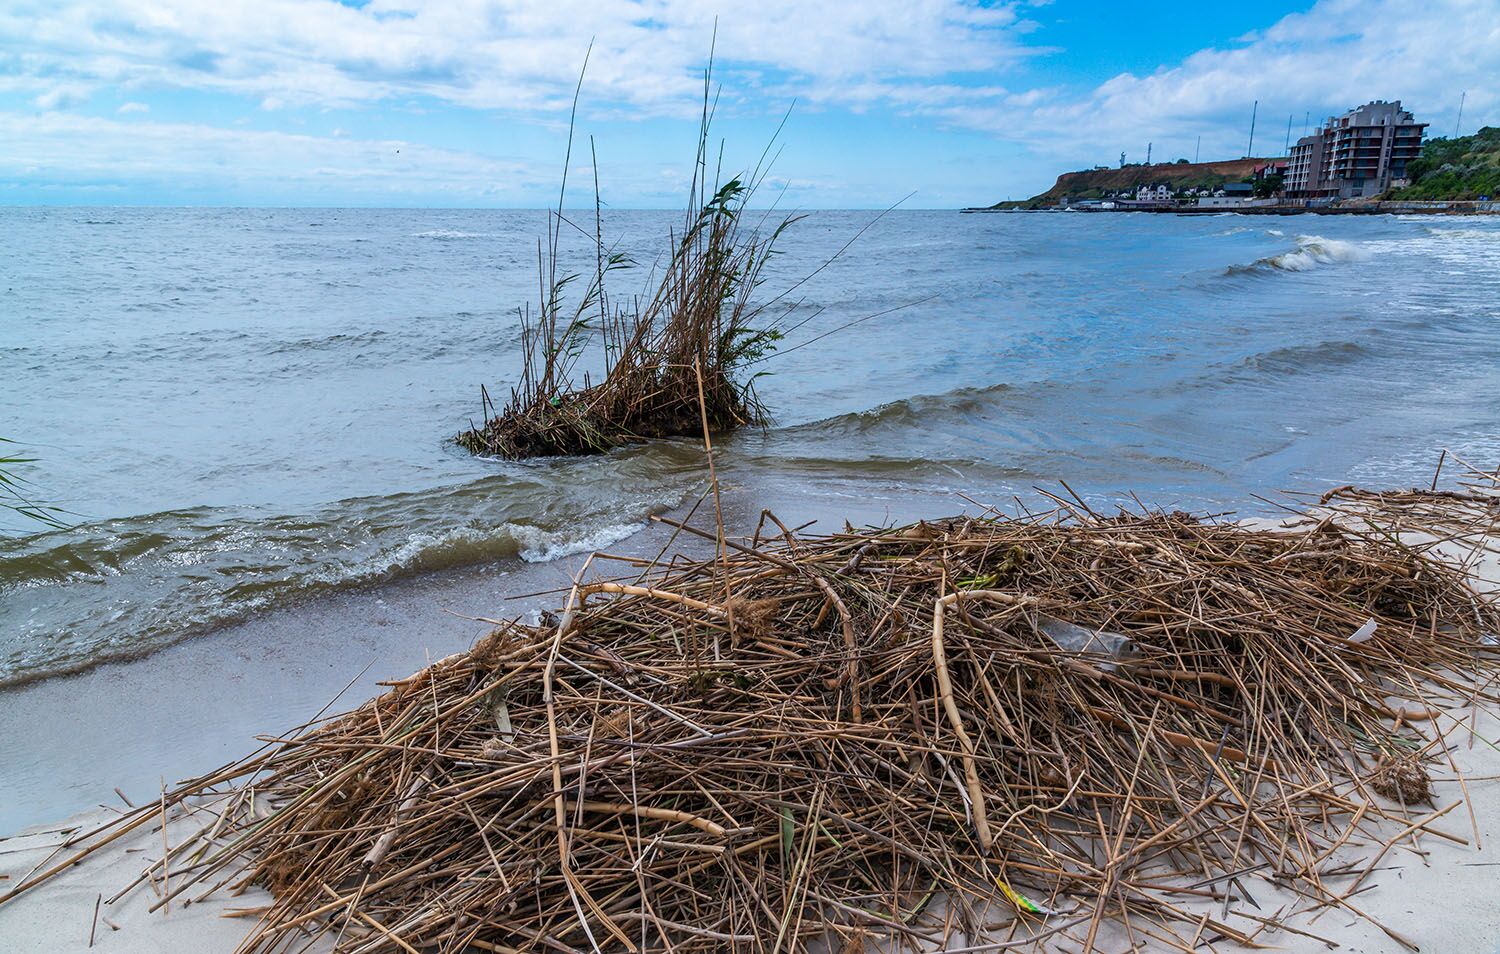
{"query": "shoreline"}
(1402, 209)
(200, 701)
(135, 723)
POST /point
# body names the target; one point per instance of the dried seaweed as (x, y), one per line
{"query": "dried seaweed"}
(810, 741)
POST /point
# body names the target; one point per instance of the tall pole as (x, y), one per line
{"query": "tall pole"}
(1459, 124)
(1287, 149)
(1306, 121)
(1250, 149)
(1148, 153)
(1196, 148)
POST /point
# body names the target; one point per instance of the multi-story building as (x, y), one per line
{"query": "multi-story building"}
(1160, 192)
(1361, 153)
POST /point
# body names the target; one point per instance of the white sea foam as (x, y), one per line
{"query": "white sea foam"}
(540, 546)
(449, 234)
(1315, 250)
(1460, 234)
(465, 544)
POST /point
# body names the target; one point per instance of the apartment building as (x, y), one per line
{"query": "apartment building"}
(1360, 153)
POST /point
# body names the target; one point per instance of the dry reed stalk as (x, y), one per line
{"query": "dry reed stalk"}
(637, 797)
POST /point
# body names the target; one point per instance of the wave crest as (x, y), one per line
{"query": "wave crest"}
(919, 411)
(1295, 359)
(1311, 252)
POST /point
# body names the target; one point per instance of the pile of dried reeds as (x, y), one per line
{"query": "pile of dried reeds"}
(670, 356)
(1098, 721)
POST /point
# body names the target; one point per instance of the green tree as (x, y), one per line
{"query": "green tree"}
(1267, 187)
(1465, 167)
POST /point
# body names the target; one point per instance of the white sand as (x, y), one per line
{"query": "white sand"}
(59, 916)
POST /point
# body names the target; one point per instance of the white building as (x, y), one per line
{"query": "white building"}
(1222, 201)
(1157, 193)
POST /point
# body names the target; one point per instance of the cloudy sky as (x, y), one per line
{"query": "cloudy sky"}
(465, 102)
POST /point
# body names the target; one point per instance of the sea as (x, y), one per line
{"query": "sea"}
(247, 414)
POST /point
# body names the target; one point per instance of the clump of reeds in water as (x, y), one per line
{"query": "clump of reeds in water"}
(1147, 720)
(671, 356)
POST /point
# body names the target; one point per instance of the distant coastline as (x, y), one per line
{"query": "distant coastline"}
(1100, 183)
(1458, 176)
(1362, 208)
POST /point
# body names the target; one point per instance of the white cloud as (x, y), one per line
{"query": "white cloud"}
(133, 108)
(46, 152)
(1335, 56)
(502, 54)
(62, 96)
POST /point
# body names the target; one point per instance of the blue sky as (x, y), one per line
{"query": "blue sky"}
(464, 103)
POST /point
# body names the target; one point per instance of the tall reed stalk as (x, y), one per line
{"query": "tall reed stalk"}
(14, 496)
(696, 327)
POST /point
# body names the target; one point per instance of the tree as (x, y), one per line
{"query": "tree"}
(1465, 167)
(1267, 187)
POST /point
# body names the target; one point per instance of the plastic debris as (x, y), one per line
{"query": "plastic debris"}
(1020, 900)
(1081, 639)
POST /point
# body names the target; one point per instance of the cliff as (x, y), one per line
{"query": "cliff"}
(1097, 183)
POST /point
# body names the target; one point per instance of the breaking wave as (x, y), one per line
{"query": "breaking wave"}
(1311, 252)
(921, 411)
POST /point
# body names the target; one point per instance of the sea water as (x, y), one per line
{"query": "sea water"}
(246, 409)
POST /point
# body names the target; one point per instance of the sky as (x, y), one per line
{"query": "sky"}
(466, 103)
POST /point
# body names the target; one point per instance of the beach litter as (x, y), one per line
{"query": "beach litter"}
(818, 742)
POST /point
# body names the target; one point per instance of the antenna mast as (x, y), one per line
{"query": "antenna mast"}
(1459, 123)
(1250, 149)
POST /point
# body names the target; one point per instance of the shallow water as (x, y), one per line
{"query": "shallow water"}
(249, 409)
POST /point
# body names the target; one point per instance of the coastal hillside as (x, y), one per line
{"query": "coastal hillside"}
(1465, 167)
(1097, 183)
